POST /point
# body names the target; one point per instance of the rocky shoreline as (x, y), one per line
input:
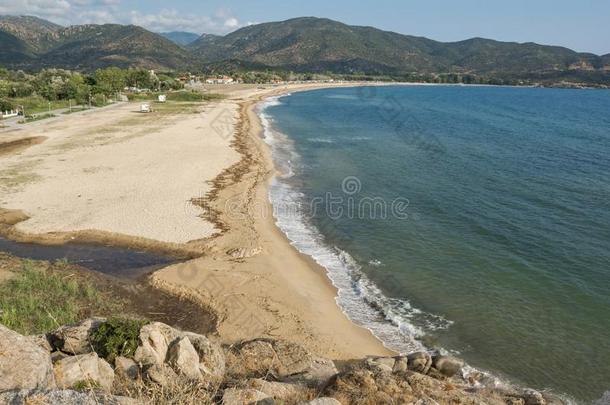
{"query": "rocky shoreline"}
(123, 361)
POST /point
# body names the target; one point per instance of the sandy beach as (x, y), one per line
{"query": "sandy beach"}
(190, 179)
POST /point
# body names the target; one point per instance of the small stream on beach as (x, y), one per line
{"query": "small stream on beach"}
(110, 260)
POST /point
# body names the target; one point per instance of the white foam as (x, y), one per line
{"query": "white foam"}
(395, 322)
(389, 319)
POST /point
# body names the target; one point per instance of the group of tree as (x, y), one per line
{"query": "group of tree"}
(59, 84)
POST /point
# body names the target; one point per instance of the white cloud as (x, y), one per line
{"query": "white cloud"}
(73, 12)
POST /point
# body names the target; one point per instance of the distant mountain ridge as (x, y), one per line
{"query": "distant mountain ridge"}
(180, 37)
(40, 43)
(315, 44)
(306, 44)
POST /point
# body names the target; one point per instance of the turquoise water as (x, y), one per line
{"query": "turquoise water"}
(473, 219)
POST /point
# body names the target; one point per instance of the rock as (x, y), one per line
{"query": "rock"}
(420, 362)
(276, 390)
(533, 397)
(154, 341)
(291, 358)
(42, 341)
(62, 397)
(183, 358)
(211, 355)
(318, 374)
(75, 339)
(162, 374)
(447, 365)
(83, 368)
(126, 367)
(234, 396)
(255, 358)
(380, 364)
(363, 385)
(56, 356)
(400, 365)
(322, 401)
(23, 363)
(260, 357)
(425, 400)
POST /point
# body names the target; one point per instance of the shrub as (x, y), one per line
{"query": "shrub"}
(98, 100)
(6, 105)
(117, 337)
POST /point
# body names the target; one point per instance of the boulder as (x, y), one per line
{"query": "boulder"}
(162, 374)
(447, 365)
(255, 358)
(183, 358)
(533, 397)
(380, 364)
(260, 357)
(75, 339)
(322, 401)
(362, 385)
(154, 341)
(317, 375)
(420, 362)
(62, 397)
(400, 365)
(42, 341)
(211, 355)
(235, 396)
(426, 400)
(23, 363)
(291, 358)
(83, 368)
(56, 356)
(276, 390)
(126, 367)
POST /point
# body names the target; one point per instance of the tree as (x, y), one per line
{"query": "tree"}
(110, 80)
(140, 78)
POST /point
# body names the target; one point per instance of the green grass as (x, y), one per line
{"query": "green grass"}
(76, 109)
(117, 337)
(86, 385)
(38, 117)
(182, 96)
(37, 105)
(39, 299)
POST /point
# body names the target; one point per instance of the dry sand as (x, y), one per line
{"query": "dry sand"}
(139, 182)
(117, 171)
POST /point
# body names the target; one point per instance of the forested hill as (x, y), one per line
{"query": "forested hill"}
(305, 44)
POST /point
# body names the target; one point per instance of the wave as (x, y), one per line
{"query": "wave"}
(394, 321)
(320, 140)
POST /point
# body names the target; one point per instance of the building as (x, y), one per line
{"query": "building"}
(220, 80)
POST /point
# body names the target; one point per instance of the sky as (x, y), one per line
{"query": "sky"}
(580, 25)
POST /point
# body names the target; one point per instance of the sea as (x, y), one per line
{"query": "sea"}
(472, 220)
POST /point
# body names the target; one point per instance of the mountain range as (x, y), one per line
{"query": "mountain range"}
(305, 44)
(180, 37)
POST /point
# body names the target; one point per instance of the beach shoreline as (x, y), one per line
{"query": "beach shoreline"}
(246, 269)
(298, 301)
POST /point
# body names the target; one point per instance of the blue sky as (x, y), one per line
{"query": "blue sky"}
(581, 25)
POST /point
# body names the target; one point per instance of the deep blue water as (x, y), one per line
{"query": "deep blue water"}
(474, 219)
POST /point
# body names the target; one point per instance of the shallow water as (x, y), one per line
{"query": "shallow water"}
(114, 261)
(469, 218)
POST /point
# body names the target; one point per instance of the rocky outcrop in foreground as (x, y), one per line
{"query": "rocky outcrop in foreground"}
(131, 362)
